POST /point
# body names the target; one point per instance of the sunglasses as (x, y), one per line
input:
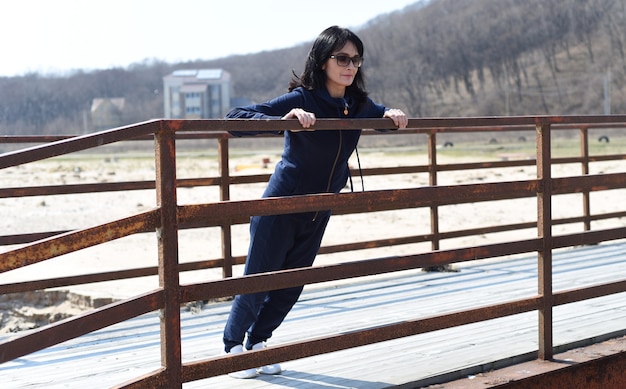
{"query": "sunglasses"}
(344, 60)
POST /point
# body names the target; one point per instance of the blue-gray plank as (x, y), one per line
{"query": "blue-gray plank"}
(131, 349)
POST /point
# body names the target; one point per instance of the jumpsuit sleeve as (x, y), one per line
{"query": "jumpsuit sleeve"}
(375, 110)
(273, 109)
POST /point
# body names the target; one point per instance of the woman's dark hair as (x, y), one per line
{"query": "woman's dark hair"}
(330, 40)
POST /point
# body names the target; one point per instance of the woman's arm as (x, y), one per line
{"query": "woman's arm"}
(286, 106)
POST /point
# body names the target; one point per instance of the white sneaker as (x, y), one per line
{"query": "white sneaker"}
(243, 374)
(267, 369)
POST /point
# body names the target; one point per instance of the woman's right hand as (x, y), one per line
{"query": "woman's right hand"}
(306, 119)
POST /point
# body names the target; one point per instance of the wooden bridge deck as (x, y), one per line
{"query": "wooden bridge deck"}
(125, 351)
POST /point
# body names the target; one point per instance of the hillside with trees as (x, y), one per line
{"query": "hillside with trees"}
(445, 58)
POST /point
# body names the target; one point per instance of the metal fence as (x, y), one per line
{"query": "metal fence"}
(169, 217)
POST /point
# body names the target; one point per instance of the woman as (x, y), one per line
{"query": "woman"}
(331, 86)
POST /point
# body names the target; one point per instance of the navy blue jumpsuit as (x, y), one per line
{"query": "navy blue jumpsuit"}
(312, 162)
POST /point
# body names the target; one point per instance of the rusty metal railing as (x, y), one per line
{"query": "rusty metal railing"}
(169, 217)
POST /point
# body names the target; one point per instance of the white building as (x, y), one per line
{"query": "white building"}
(196, 94)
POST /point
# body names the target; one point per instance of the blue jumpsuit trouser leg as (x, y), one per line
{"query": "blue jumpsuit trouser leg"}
(277, 242)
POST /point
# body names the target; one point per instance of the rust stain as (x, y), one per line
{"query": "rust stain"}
(76, 240)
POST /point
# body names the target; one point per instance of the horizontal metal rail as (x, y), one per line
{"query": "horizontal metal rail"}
(169, 217)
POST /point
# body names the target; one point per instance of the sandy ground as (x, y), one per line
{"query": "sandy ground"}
(66, 212)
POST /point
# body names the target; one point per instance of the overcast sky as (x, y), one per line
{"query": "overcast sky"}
(56, 36)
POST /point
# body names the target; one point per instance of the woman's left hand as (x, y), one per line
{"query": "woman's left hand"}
(399, 118)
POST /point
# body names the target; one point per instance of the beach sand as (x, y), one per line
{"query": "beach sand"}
(68, 212)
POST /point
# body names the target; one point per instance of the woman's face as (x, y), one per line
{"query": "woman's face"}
(340, 77)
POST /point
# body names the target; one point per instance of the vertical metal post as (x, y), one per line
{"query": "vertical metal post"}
(432, 181)
(227, 252)
(544, 230)
(167, 234)
(584, 145)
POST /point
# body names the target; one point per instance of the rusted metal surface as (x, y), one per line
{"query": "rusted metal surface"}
(602, 373)
(422, 125)
(33, 138)
(597, 366)
(295, 277)
(157, 379)
(106, 187)
(544, 231)
(584, 164)
(261, 178)
(589, 237)
(23, 344)
(7, 240)
(169, 217)
(27, 286)
(83, 142)
(589, 292)
(376, 301)
(76, 188)
(589, 183)
(345, 340)
(358, 202)
(225, 228)
(167, 235)
(73, 241)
